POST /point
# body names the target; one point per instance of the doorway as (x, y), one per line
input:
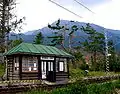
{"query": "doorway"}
(48, 70)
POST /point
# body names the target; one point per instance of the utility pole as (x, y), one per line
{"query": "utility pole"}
(106, 52)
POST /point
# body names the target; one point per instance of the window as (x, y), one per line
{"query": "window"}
(43, 66)
(50, 66)
(29, 64)
(16, 63)
(61, 66)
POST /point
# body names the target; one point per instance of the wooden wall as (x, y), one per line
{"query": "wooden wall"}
(29, 76)
(19, 75)
(60, 76)
(11, 75)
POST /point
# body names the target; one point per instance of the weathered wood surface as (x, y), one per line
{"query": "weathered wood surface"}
(10, 67)
(30, 76)
(61, 76)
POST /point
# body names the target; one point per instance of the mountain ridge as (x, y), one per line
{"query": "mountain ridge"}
(30, 35)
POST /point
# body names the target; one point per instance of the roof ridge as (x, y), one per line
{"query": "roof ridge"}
(30, 48)
(37, 44)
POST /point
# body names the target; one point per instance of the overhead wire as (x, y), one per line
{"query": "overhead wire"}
(66, 9)
(107, 65)
(84, 6)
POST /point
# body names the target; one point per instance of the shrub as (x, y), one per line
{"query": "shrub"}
(2, 69)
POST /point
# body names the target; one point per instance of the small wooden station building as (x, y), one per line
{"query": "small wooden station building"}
(33, 61)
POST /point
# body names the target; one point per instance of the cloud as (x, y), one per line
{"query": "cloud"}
(107, 15)
(39, 13)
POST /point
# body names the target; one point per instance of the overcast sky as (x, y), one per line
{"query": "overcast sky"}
(39, 13)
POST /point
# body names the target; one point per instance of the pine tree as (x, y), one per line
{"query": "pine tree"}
(8, 22)
(39, 38)
(59, 36)
(95, 42)
(73, 29)
(15, 42)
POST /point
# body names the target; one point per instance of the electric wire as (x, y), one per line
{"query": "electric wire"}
(84, 6)
(66, 9)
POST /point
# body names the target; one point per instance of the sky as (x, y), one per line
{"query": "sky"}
(39, 13)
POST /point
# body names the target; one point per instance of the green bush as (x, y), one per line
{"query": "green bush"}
(78, 88)
(83, 88)
(76, 73)
(106, 88)
(36, 92)
(2, 69)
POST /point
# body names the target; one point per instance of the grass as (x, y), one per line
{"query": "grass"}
(78, 73)
(2, 69)
(82, 88)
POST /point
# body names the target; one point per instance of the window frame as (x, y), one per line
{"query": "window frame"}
(50, 65)
(16, 64)
(63, 69)
(26, 61)
(65, 65)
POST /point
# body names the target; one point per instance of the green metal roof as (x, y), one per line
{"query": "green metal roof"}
(29, 48)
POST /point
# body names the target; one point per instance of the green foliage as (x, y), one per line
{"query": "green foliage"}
(105, 88)
(58, 37)
(15, 42)
(114, 63)
(79, 60)
(2, 69)
(9, 22)
(76, 73)
(39, 38)
(34, 91)
(83, 88)
(84, 66)
(95, 42)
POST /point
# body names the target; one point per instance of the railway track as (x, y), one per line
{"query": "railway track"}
(10, 87)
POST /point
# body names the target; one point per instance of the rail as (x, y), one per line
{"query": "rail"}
(15, 86)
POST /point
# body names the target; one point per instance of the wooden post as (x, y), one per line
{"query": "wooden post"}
(7, 67)
(54, 68)
(39, 68)
(68, 67)
(20, 66)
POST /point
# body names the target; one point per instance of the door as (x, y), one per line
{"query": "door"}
(44, 67)
(50, 71)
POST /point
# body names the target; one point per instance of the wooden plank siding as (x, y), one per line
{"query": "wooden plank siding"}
(20, 67)
(21, 75)
(10, 67)
(11, 74)
(39, 68)
(61, 76)
(29, 75)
